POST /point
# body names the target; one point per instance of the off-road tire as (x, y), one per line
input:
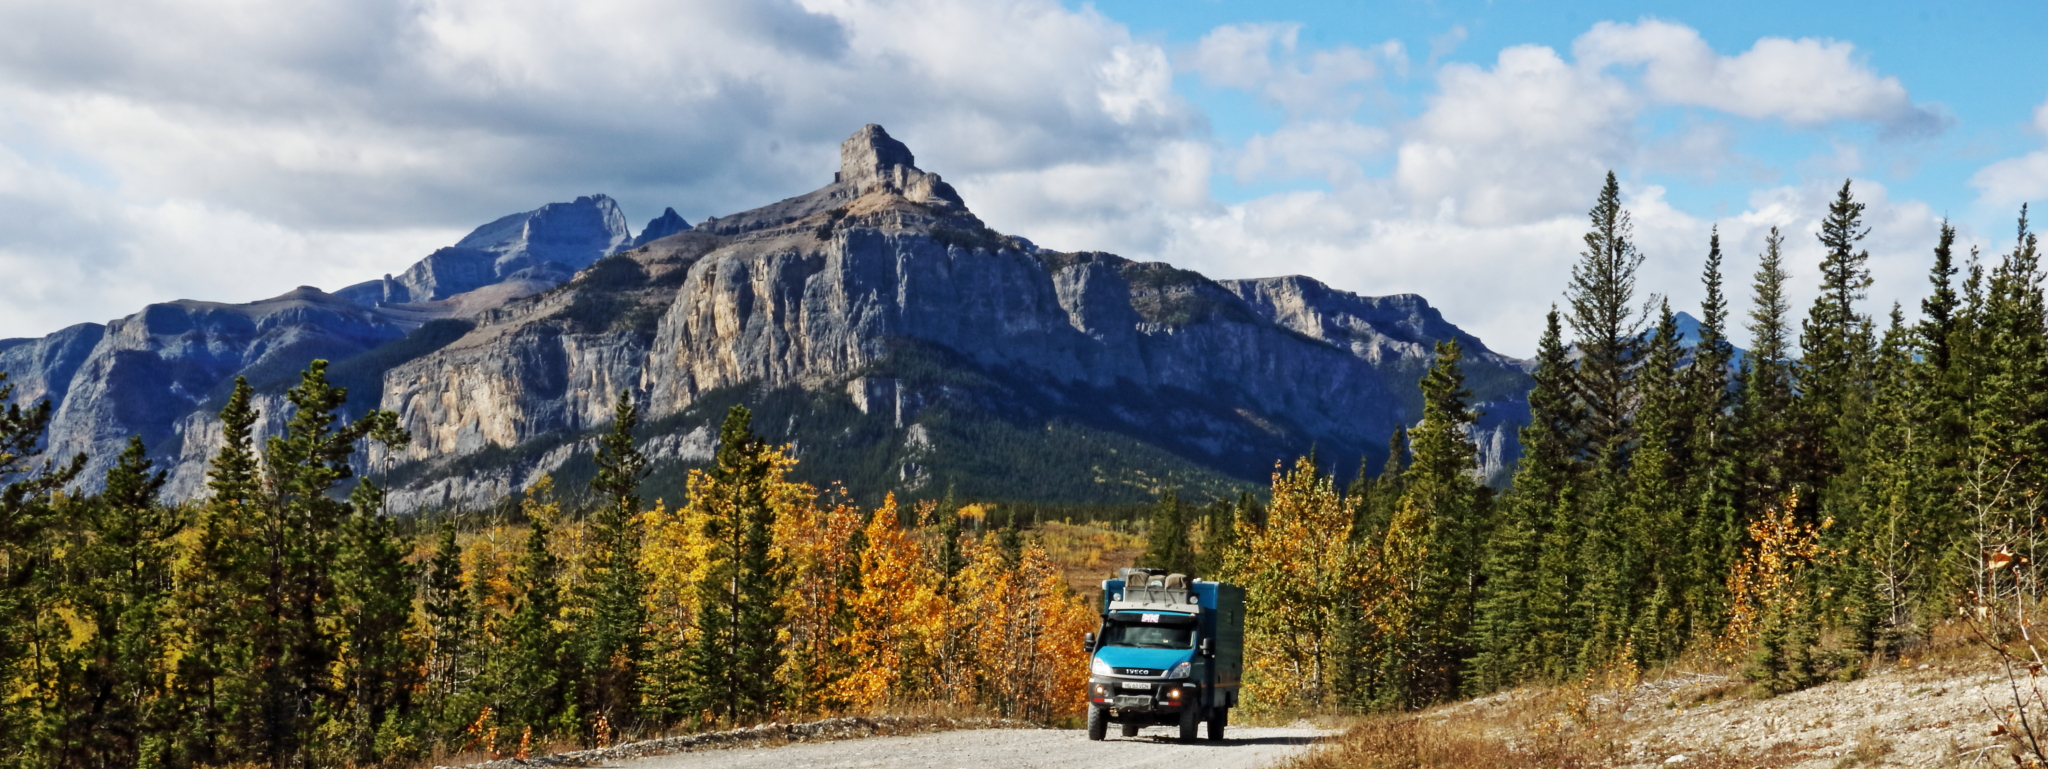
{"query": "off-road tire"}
(1129, 730)
(1098, 722)
(1219, 717)
(1190, 719)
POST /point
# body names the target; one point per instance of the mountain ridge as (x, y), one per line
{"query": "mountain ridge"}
(903, 344)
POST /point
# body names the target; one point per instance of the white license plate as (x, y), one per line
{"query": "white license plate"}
(1137, 685)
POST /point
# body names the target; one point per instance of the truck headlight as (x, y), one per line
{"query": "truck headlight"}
(1100, 668)
(1181, 670)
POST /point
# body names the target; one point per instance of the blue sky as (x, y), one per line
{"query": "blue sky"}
(1979, 64)
(1982, 68)
(214, 149)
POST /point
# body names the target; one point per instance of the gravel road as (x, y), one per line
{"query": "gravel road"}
(1247, 747)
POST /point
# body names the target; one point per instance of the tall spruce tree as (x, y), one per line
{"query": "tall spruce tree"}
(1513, 603)
(1715, 532)
(451, 627)
(1768, 434)
(737, 654)
(28, 578)
(298, 639)
(1652, 587)
(120, 554)
(1607, 329)
(382, 659)
(220, 618)
(531, 689)
(1430, 545)
(611, 641)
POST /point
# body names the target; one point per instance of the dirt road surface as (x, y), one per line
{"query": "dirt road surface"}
(1034, 748)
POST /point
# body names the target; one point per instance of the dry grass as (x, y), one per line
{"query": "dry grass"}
(1938, 708)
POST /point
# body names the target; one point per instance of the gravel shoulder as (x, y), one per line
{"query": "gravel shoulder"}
(1035, 748)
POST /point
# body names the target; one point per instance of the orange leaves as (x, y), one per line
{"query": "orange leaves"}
(896, 615)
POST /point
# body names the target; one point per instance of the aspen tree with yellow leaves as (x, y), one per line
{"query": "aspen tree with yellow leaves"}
(821, 577)
(1297, 571)
(897, 616)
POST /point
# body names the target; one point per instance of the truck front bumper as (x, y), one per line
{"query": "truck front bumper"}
(1143, 696)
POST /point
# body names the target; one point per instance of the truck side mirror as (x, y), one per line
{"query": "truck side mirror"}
(1208, 647)
(1088, 643)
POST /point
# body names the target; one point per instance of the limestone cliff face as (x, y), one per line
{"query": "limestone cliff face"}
(816, 291)
(920, 340)
(148, 370)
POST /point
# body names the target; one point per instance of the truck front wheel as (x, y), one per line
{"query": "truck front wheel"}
(1190, 717)
(1098, 722)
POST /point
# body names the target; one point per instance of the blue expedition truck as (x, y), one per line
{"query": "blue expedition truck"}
(1169, 653)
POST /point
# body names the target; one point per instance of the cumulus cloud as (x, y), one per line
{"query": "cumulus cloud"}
(2016, 180)
(1520, 141)
(360, 124)
(152, 149)
(1806, 82)
(1265, 59)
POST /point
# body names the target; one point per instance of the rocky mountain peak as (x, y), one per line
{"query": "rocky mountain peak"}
(870, 155)
(668, 223)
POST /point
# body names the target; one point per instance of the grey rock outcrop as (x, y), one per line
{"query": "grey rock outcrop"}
(668, 223)
(819, 290)
(879, 298)
(548, 244)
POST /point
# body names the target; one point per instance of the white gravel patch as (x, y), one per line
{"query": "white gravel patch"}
(1246, 747)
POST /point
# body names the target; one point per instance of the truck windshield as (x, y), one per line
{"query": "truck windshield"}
(1148, 636)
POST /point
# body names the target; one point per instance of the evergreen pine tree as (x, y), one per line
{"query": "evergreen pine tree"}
(1766, 431)
(451, 618)
(1430, 545)
(382, 659)
(737, 654)
(531, 690)
(298, 639)
(1512, 607)
(120, 556)
(217, 603)
(611, 642)
(1608, 330)
(1167, 546)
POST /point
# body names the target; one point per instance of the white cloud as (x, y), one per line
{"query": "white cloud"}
(152, 149)
(2017, 180)
(1264, 59)
(1516, 143)
(1805, 82)
(357, 124)
(1330, 149)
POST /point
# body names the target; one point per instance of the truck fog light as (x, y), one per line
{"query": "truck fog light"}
(1173, 695)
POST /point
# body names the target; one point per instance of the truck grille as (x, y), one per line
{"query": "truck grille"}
(1133, 701)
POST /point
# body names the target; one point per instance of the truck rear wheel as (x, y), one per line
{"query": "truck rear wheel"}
(1098, 722)
(1190, 718)
(1219, 717)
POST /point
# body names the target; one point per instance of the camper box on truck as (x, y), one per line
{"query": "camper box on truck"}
(1169, 652)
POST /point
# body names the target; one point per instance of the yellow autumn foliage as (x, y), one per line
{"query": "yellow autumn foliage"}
(1295, 572)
